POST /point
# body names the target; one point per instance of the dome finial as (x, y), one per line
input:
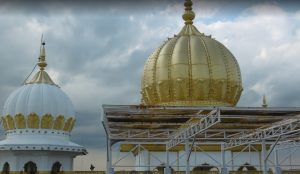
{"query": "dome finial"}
(188, 15)
(42, 58)
(264, 102)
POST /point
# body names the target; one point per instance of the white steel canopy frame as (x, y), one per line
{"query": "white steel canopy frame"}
(205, 123)
(170, 126)
(285, 127)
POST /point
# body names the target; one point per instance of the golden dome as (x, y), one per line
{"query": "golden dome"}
(191, 69)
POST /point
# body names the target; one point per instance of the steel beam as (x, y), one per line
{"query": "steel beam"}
(187, 160)
(164, 134)
(109, 168)
(211, 119)
(263, 157)
(223, 157)
(278, 129)
(277, 164)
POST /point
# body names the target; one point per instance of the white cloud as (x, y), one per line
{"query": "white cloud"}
(131, 18)
(265, 44)
(99, 59)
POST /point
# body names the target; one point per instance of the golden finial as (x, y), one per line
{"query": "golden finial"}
(264, 102)
(42, 59)
(188, 15)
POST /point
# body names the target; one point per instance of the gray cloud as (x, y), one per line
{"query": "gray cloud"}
(97, 54)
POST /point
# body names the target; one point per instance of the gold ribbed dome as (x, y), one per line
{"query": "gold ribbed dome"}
(191, 69)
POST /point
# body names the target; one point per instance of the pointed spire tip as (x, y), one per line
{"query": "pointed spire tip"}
(42, 58)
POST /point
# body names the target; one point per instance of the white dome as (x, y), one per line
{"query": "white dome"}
(40, 98)
(38, 118)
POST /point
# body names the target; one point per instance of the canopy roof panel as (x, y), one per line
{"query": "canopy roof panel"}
(138, 123)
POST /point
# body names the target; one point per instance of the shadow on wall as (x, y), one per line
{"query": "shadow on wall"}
(30, 168)
(5, 169)
(205, 168)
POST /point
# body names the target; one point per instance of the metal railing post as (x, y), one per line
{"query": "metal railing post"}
(263, 156)
(277, 165)
(167, 167)
(224, 167)
(187, 151)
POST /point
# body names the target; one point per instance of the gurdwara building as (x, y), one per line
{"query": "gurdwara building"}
(38, 118)
(188, 119)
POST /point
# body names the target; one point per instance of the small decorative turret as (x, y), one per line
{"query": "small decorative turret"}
(264, 105)
(188, 15)
(41, 76)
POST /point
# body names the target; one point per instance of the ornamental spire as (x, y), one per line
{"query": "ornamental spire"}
(188, 15)
(41, 76)
(42, 58)
(264, 102)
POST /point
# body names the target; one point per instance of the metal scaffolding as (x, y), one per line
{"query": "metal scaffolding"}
(277, 129)
(205, 123)
(227, 130)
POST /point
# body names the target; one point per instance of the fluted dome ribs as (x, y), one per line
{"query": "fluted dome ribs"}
(191, 69)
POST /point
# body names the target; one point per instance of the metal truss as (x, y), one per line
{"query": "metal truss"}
(164, 134)
(289, 144)
(126, 122)
(169, 126)
(278, 129)
(145, 134)
(179, 136)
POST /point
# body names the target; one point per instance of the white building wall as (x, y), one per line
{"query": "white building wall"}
(252, 158)
(142, 161)
(8, 157)
(196, 158)
(43, 160)
(66, 161)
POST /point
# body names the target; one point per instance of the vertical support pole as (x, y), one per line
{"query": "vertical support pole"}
(167, 167)
(290, 156)
(187, 151)
(263, 157)
(177, 153)
(232, 161)
(148, 160)
(224, 167)
(142, 159)
(249, 154)
(277, 165)
(139, 157)
(109, 169)
(260, 160)
(168, 160)
(195, 156)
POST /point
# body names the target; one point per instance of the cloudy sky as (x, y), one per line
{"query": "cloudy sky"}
(96, 51)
